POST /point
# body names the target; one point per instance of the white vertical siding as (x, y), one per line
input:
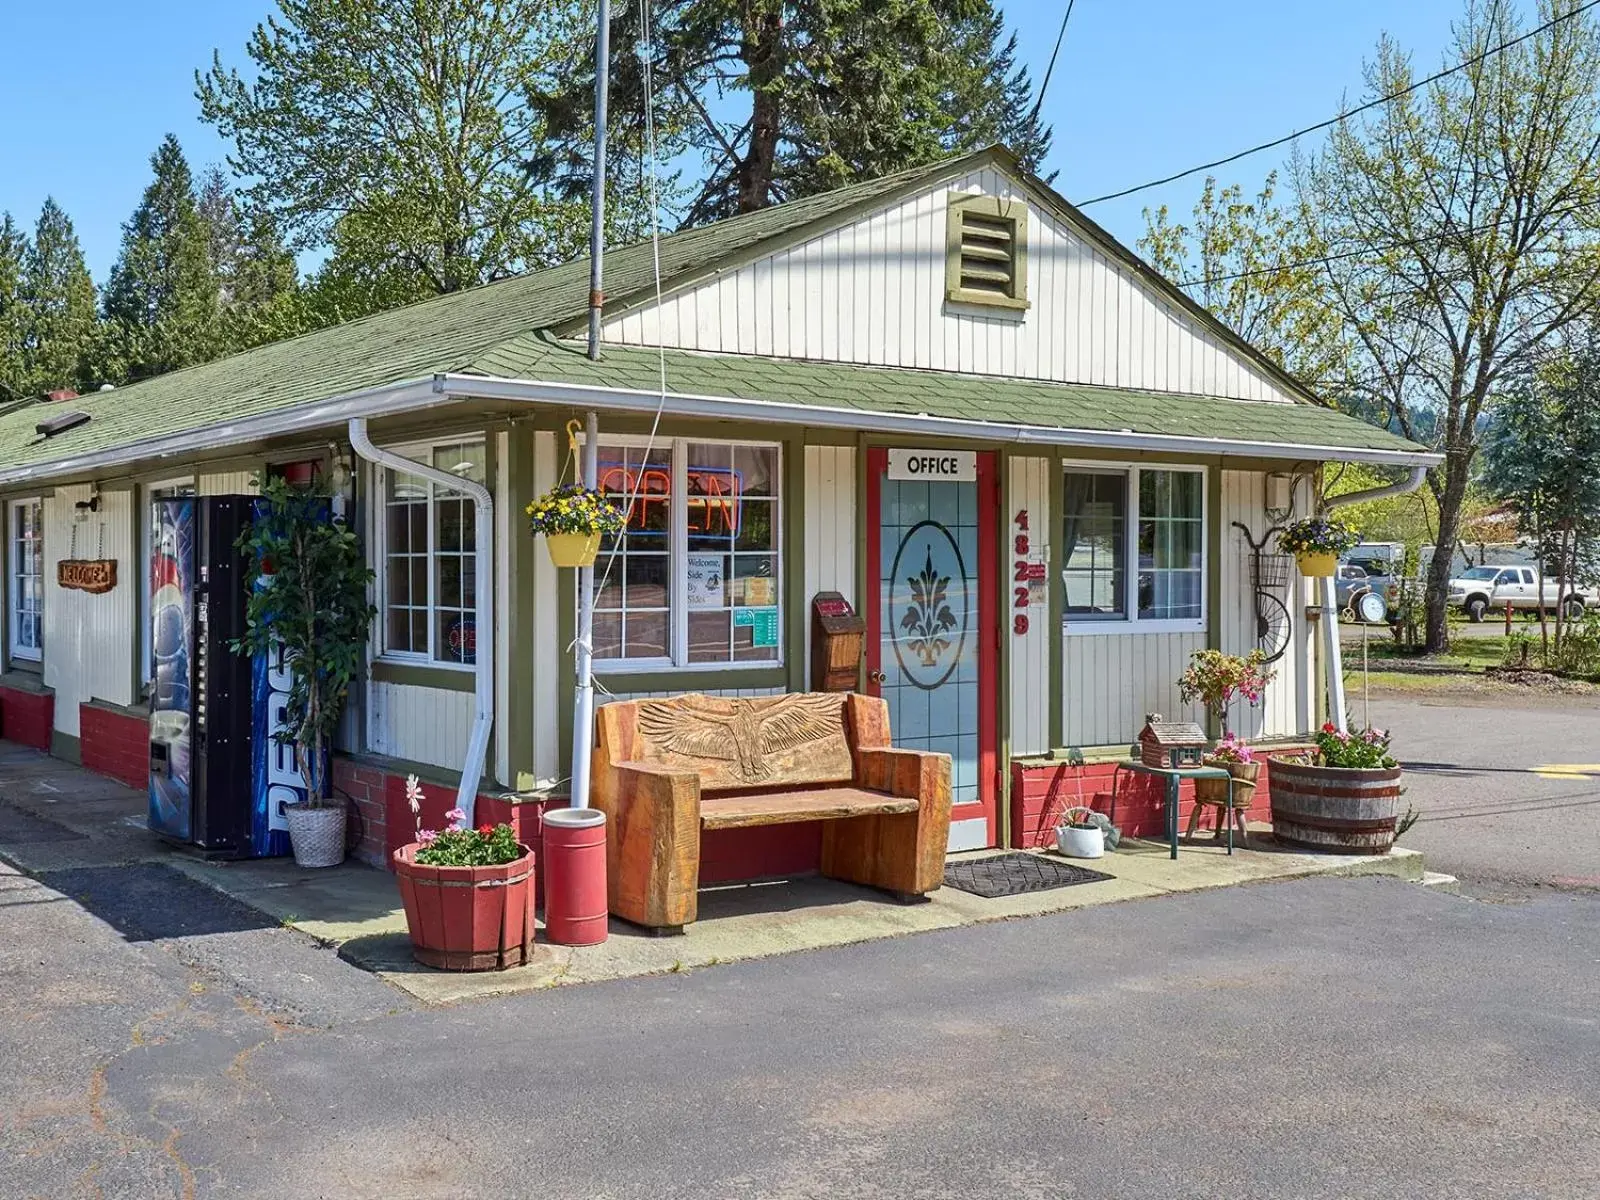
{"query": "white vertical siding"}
(831, 529)
(1028, 487)
(873, 292)
(228, 483)
(1287, 708)
(421, 724)
(1110, 681)
(547, 648)
(90, 641)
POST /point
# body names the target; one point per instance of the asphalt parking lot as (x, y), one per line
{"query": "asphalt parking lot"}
(1508, 788)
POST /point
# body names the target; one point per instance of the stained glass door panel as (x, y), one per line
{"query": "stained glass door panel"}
(930, 641)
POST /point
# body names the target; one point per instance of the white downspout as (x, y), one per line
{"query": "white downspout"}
(483, 616)
(1330, 610)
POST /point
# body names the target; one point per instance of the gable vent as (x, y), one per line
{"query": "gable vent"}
(987, 251)
(988, 255)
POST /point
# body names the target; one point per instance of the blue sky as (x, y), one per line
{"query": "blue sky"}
(1140, 90)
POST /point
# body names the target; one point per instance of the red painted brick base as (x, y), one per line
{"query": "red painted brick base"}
(1041, 792)
(115, 743)
(27, 716)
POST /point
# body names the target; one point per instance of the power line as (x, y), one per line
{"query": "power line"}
(1332, 121)
(1401, 244)
(1044, 85)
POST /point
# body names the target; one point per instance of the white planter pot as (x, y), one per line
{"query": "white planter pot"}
(316, 834)
(1080, 843)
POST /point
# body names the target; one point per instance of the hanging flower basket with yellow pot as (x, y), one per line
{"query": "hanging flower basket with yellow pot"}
(573, 549)
(573, 519)
(1317, 543)
(1317, 566)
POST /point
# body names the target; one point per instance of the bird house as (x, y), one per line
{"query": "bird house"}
(1168, 744)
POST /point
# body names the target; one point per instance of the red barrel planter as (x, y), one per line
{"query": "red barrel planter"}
(468, 918)
(1335, 810)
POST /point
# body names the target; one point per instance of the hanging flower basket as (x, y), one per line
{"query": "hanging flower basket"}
(1317, 543)
(573, 519)
(573, 549)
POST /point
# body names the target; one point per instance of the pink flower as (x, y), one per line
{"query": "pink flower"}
(425, 837)
(457, 818)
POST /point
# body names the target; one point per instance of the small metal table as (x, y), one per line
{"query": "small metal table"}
(1174, 776)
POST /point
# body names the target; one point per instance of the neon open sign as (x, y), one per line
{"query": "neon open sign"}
(714, 501)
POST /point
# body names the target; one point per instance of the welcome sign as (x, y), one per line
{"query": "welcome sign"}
(93, 575)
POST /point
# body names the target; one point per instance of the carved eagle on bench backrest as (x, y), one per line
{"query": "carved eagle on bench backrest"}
(746, 733)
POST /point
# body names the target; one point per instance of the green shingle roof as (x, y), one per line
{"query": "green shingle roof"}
(985, 399)
(500, 330)
(447, 333)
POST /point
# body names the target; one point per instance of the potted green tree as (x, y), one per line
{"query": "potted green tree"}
(311, 600)
(1317, 543)
(572, 519)
(468, 893)
(1344, 799)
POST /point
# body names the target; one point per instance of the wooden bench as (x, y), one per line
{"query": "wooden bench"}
(666, 770)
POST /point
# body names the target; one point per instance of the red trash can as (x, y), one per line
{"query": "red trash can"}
(574, 866)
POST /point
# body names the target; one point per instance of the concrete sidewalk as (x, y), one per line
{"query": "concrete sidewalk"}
(54, 816)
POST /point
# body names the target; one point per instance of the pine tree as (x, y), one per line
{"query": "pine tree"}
(13, 313)
(59, 298)
(257, 280)
(787, 99)
(163, 299)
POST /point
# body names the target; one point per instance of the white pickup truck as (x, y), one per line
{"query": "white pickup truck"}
(1487, 589)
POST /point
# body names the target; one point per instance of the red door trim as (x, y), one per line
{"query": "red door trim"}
(988, 629)
(988, 641)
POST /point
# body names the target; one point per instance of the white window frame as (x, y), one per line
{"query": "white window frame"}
(1131, 623)
(380, 554)
(678, 561)
(147, 498)
(29, 654)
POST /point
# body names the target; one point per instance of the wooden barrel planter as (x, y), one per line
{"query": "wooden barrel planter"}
(468, 918)
(1334, 810)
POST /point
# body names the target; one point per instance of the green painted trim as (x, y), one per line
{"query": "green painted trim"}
(25, 677)
(957, 204)
(520, 651)
(860, 599)
(691, 679)
(443, 679)
(792, 560)
(142, 711)
(822, 436)
(66, 747)
(1058, 606)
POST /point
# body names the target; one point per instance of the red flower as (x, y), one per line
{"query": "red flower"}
(486, 830)
(1329, 727)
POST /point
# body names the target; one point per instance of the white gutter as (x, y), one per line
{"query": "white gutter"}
(483, 616)
(774, 411)
(1330, 611)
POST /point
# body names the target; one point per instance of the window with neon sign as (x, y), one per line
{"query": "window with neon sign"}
(695, 576)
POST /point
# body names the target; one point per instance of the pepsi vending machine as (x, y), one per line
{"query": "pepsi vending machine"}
(201, 705)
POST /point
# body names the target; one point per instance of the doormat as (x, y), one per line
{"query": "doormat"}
(1014, 874)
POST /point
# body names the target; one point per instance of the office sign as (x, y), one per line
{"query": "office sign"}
(940, 466)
